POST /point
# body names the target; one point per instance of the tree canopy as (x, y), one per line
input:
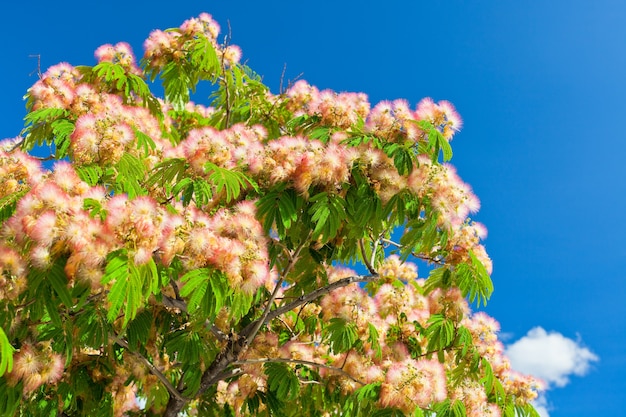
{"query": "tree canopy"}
(256, 255)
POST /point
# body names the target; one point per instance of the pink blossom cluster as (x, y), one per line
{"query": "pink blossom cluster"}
(394, 121)
(340, 110)
(304, 163)
(484, 336)
(307, 163)
(17, 170)
(49, 221)
(120, 53)
(449, 195)
(13, 273)
(36, 365)
(233, 241)
(56, 87)
(442, 115)
(162, 47)
(124, 394)
(413, 383)
(472, 394)
(107, 131)
(237, 146)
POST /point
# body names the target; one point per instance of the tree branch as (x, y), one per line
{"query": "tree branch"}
(303, 299)
(301, 362)
(153, 369)
(367, 263)
(416, 255)
(249, 333)
(182, 306)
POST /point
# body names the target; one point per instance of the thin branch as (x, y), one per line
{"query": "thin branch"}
(416, 255)
(288, 327)
(225, 78)
(299, 362)
(44, 158)
(303, 299)
(175, 288)
(170, 302)
(249, 333)
(180, 304)
(153, 369)
(282, 78)
(374, 250)
(11, 145)
(367, 263)
(38, 70)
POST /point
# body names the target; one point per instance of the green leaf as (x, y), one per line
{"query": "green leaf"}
(458, 409)
(52, 307)
(186, 344)
(8, 204)
(440, 332)
(10, 397)
(340, 335)
(202, 192)
(360, 402)
(127, 288)
(144, 142)
(207, 291)
(6, 353)
(328, 213)
(204, 57)
(58, 281)
(474, 280)
(176, 82)
(91, 174)
(278, 209)
(228, 181)
(282, 381)
(95, 209)
(62, 129)
(130, 173)
(168, 171)
(373, 339)
(488, 379)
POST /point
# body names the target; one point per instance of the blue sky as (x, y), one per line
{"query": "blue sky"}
(541, 86)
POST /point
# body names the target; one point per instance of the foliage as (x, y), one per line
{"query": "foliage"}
(195, 259)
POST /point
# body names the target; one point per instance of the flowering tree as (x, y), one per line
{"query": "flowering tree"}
(181, 258)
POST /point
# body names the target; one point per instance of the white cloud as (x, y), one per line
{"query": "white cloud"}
(550, 356)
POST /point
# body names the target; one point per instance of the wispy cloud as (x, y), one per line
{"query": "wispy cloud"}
(552, 357)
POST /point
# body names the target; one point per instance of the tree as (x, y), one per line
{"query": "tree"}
(183, 258)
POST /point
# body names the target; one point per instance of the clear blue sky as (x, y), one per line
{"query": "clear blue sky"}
(541, 86)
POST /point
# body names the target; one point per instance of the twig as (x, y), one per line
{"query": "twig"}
(10, 147)
(303, 299)
(374, 250)
(180, 304)
(225, 78)
(252, 331)
(416, 255)
(282, 78)
(367, 263)
(153, 369)
(299, 362)
(38, 70)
